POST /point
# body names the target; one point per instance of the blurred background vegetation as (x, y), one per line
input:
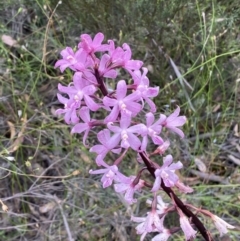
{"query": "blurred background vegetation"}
(47, 188)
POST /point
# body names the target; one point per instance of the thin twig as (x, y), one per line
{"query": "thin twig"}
(70, 238)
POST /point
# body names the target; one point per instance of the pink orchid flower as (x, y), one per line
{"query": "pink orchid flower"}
(93, 45)
(166, 173)
(70, 109)
(105, 68)
(187, 228)
(81, 90)
(122, 103)
(110, 173)
(163, 236)
(129, 188)
(141, 83)
(162, 148)
(153, 130)
(121, 57)
(125, 134)
(105, 147)
(76, 61)
(86, 126)
(221, 225)
(173, 121)
(151, 223)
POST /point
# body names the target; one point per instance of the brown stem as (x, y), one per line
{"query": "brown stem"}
(102, 86)
(151, 168)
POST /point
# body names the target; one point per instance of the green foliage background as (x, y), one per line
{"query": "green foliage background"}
(203, 40)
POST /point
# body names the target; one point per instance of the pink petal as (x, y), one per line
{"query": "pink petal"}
(188, 230)
(71, 116)
(62, 99)
(60, 111)
(136, 77)
(98, 149)
(61, 62)
(167, 160)
(132, 97)
(175, 166)
(158, 222)
(74, 117)
(144, 143)
(114, 141)
(135, 108)
(128, 52)
(112, 74)
(78, 82)
(89, 78)
(151, 104)
(111, 46)
(100, 158)
(103, 63)
(66, 89)
(90, 103)
(89, 90)
(171, 180)
(139, 129)
(156, 127)
(114, 128)
(178, 131)
(81, 56)
(85, 137)
(98, 39)
(149, 119)
(129, 196)
(134, 141)
(66, 52)
(121, 187)
(179, 121)
(125, 120)
(103, 136)
(156, 184)
(86, 38)
(125, 144)
(117, 54)
(163, 236)
(102, 163)
(107, 179)
(157, 140)
(116, 151)
(162, 119)
(109, 101)
(84, 114)
(99, 171)
(101, 48)
(183, 188)
(121, 89)
(113, 115)
(152, 91)
(79, 128)
(133, 64)
(174, 114)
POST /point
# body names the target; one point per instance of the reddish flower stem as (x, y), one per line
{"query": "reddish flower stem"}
(102, 86)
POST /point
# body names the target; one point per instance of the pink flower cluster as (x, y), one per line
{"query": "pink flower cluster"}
(129, 123)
